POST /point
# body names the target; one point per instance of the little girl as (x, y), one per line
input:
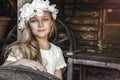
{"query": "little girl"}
(36, 21)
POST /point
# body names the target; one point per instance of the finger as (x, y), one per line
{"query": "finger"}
(32, 67)
(39, 66)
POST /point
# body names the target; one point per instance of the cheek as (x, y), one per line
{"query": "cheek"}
(33, 28)
(47, 24)
(33, 25)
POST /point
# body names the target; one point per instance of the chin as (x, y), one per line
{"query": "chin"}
(41, 36)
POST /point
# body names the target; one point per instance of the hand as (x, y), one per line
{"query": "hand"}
(30, 63)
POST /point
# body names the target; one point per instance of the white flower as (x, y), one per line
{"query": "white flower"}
(35, 8)
(39, 13)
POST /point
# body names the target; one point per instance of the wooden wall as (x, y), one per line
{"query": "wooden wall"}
(94, 26)
(83, 17)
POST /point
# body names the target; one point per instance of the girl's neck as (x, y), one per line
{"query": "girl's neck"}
(44, 44)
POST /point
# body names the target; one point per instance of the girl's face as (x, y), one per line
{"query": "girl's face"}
(41, 25)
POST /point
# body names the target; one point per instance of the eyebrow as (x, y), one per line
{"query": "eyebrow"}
(45, 16)
(33, 18)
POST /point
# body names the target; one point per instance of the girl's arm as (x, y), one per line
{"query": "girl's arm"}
(8, 63)
(25, 62)
(58, 73)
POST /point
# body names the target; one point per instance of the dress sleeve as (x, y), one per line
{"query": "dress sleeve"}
(60, 62)
(14, 55)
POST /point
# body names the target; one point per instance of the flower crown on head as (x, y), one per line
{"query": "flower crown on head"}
(35, 8)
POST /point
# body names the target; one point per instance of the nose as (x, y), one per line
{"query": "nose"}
(40, 24)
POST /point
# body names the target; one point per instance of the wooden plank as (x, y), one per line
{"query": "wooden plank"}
(70, 69)
(97, 63)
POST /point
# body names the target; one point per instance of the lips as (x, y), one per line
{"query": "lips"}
(41, 30)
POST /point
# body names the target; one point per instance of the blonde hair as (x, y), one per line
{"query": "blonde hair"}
(28, 45)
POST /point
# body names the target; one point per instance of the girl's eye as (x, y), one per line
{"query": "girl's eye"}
(45, 19)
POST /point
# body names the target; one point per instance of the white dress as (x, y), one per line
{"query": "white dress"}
(52, 58)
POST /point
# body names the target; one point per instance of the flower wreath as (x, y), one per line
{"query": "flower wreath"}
(37, 7)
